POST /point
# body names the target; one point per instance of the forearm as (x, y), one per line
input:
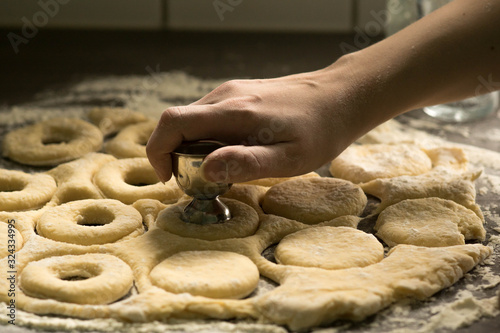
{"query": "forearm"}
(451, 54)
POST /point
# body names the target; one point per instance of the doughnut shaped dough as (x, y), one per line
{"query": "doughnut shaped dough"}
(89, 222)
(314, 200)
(111, 120)
(213, 274)
(131, 179)
(24, 191)
(244, 222)
(362, 163)
(329, 248)
(82, 279)
(7, 238)
(52, 141)
(439, 182)
(131, 141)
(430, 222)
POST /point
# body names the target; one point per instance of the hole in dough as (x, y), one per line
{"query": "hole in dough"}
(94, 216)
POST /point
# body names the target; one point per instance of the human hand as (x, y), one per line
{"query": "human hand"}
(275, 128)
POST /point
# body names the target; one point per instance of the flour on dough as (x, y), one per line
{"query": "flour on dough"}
(314, 200)
(213, 274)
(329, 248)
(431, 222)
(362, 163)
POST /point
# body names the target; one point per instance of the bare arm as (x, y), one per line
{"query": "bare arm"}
(294, 124)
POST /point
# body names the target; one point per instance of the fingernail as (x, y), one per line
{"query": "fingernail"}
(216, 171)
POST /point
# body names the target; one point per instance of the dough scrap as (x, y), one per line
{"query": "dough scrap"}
(131, 141)
(329, 248)
(52, 142)
(213, 274)
(75, 179)
(22, 191)
(89, 222)
(450, 158)
(15, 237)
(431, 222)
(111, 120)
(363, 163)
(439, 182)
(132, 179)
(314, 200)
(83, 279)
(243, 223)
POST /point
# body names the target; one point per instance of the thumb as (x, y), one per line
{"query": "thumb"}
(234, 164)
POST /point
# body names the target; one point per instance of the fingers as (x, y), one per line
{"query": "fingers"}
(235, 164)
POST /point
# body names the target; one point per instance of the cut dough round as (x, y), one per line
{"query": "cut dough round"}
(89, 222)
(12, 240)
(243, 223)
(213, 274)
(329, 248)
(82, 279)
(362, 163)
(132, 179)
(428, 222)
(131, 141)
(314, 200)
(110, 120)
(52, 142)
(268, 182)
(24, 191)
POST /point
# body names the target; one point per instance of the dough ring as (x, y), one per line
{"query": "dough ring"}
(111, 120)
(428, 222)
(82, 279)
(314, 200)
(89, 222)
(13, 238)
(329, 248)
(131, 141)
(24, 191)
(213, 274)
(362, 163)
(131, 179)
(52, 141)
(243, 223)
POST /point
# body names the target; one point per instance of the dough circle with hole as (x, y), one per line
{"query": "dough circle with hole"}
(131, 141)
(132, 179)
(213, 274)
(83, 279)
(329, 248)
(363, 163)
(24, 191)
(89, 222)
(243, 223)
(52, 141)
(314, 200)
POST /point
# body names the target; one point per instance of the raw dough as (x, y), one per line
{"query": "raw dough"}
(428, 222)
(268, 182)
(329, 248)
(82, 279)
(213, 274)
(439, 182)
(131, 179)
(111, 120)
(314, 200)
(362, 163)
(131, 141)
(23, 191)
(450, 158)
(88, 222)
(244, 222)
(16, 240)
(52, 142)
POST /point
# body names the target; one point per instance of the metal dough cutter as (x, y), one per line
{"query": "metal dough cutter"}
(206, 207)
